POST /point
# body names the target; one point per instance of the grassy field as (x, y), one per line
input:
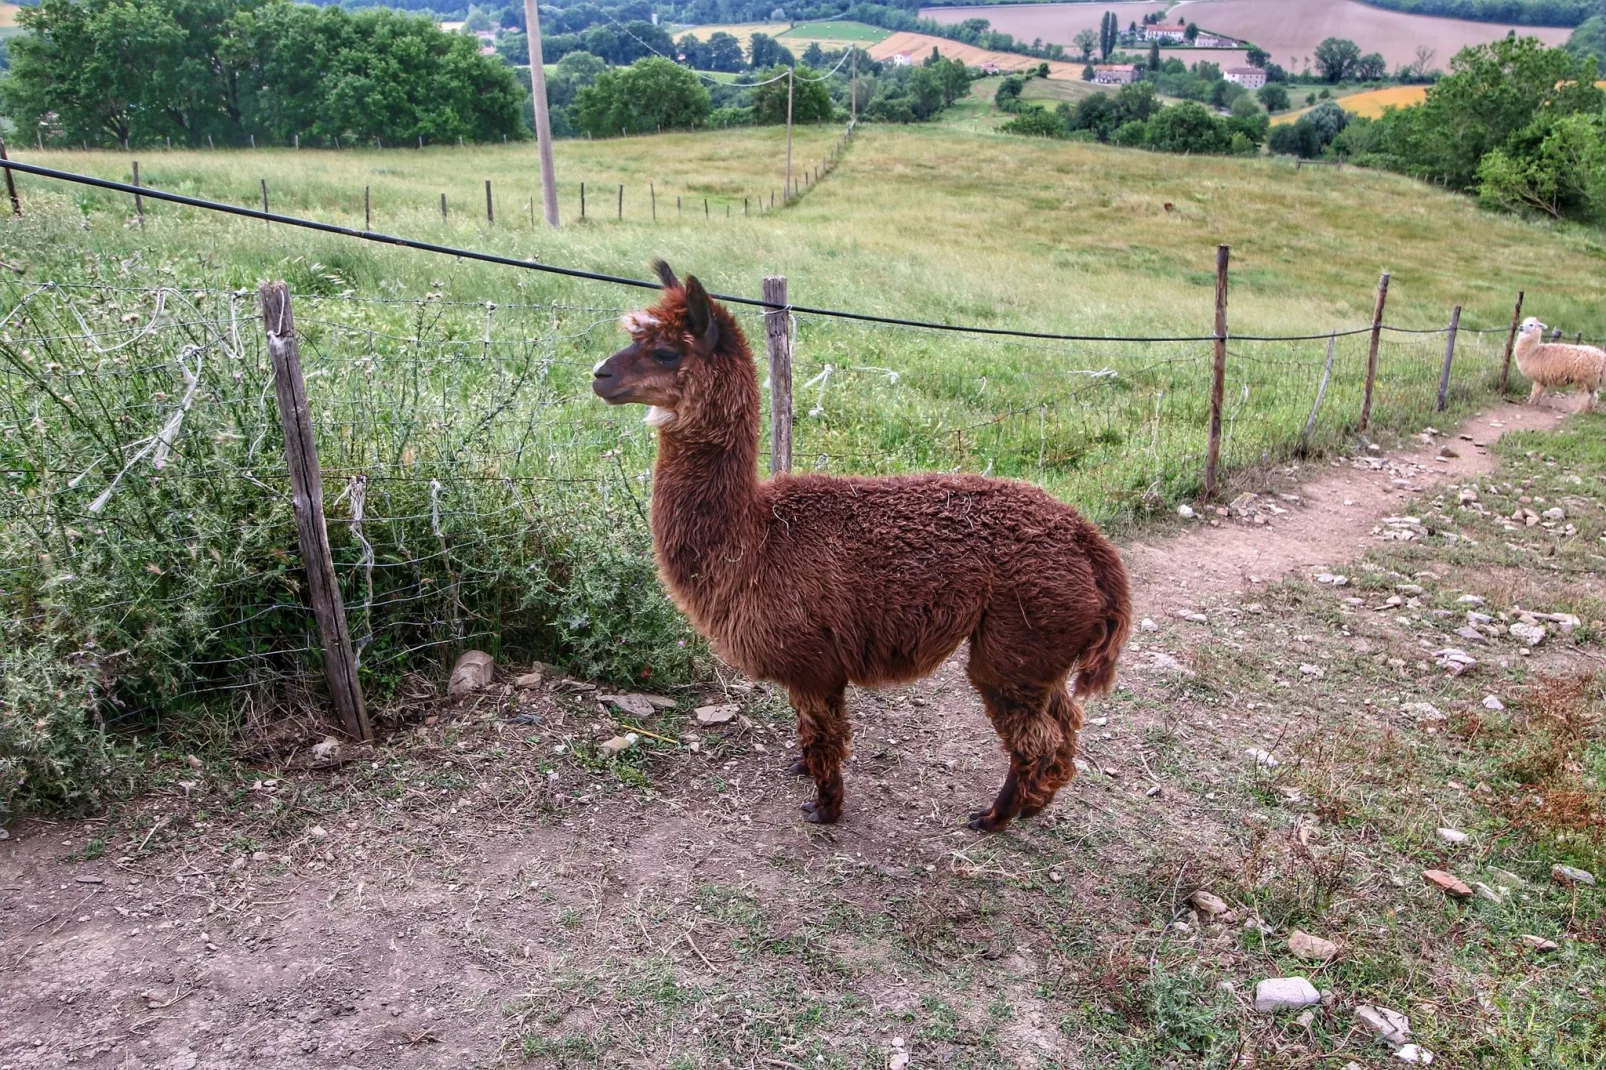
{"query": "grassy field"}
(835, 31)
(452, 409)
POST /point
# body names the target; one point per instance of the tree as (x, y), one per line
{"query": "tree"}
(1257, 57)
(1589, 39)
(1035, 122)
(1274, 96)
(1109, 30)
(1088, 73)
(574, 72)
(1085, 41)
(1328, 119)
(1191, 33)
(1295, 139)
(1371, 67)
(814, 55)
(1557, 167)
(1187, 127)
(763, 51)
(1154, 55)
(1335, 57)
(651, 94)
(811, 100)
(478, 20)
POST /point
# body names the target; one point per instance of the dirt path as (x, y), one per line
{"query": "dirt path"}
(1331, 522)
(434, 906)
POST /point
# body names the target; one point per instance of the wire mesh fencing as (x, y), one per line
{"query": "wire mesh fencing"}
(477, 493)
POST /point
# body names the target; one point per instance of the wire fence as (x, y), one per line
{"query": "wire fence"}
(477, 494)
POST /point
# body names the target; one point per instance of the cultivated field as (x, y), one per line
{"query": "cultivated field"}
(919, 45)
(1291, 29)
(8, 14)
(1054, 23)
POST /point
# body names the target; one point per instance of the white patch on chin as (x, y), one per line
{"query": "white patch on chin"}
(658, 416)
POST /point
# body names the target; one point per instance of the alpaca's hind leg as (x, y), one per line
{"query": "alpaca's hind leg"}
(1067, 713)
(1533, 395)
(1033, 740)
(823, 734)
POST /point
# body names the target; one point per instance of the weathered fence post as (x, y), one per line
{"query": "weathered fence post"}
(621, 202)
(778, 340)
(582, 200)
(705, 207)
(367, 211)
(1218, 375)
(306, 485)
(490, 213)
(1371, 352)
(443, 208)
(253, 141)
(1511, 341)
(139, 202)
(652, 191)
(1321, 392)
(265, 222)
(11, 183)
(298, 143)
(1449, 355)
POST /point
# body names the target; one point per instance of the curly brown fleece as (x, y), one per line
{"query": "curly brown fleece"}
(816, 581)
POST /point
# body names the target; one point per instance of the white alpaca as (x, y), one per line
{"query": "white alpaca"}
(1558, 363)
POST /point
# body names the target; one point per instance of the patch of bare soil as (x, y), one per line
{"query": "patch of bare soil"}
(474, 895)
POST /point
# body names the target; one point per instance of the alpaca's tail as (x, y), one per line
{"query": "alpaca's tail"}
(1096, 669)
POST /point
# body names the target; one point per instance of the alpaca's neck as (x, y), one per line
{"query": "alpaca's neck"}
(705, 521)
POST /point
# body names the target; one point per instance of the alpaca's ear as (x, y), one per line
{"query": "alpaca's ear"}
(665, 273)
(700, 322)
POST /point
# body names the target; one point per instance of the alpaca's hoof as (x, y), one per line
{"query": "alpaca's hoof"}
(808, 807)
(816, 816)
(984, 821)
(799, 767)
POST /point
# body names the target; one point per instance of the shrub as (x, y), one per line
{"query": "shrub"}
(1036, 122)
(54, 754)
(647, 96)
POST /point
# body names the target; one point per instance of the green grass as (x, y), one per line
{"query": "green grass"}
(533, 542)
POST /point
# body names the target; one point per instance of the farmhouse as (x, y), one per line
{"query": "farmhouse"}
(1115, 73)
(989, 68)
(1213, 40)
(1248, 77)
(901, 59)
(1163, 32)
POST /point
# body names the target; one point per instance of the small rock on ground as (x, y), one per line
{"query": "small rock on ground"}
(1207, 903)
(472, 672)
(529, 681)
(1449, 835)
(618, 744)
(1539, 943)
(1389, 1025)
(1569, 876)
(1285, 994)
(721, 714)
(1311, 948)
(1448, 883)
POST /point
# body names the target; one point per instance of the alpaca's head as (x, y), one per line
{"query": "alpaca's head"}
(686, 359)
(1531, 327)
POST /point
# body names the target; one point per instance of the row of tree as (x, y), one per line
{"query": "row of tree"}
(1135, 118)
(128, 72)
(1511, 12)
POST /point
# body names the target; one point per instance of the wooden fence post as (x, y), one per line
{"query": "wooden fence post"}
(582, 200)
(621, 202)
(306, 484)
(139, 202)
(1511, 341)
(11, 182)
(265, 201)
(443, 208)
(1371, 352)
(490, 213)
(1218, 375)
(652, 191)
(1449, 355)
(778, 340)
(367, 211)
(705, 207)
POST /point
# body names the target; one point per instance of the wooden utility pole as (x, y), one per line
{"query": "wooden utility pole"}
(139, 202)
(1371, 352)
(312, 533)
(1218, 375)
(11, 183)
(789, 80)
(1449, 355)
(853, 91)
(1505, 365)
(543, 123)
(778, 340)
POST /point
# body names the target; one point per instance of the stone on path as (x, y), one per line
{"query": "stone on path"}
(1285, 994)
(1448, 883)
(1571, 876)
(1311, 948)
(1389, 1025)
(472, 672)
(715, 715)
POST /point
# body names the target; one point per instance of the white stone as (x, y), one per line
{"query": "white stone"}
(1414, 1053)
(1389, 1025)
(1261, 758)
(1449, 835)
(1148, 625)
(1528, 634)
(1311, 948)
(472, 672)
(325, 750)
(721, 714)
(1492, 703)
(1185, 512)
(1312, 670)
(1285, 994)
(1207, 903)
(1571, 875)
(1470, 600)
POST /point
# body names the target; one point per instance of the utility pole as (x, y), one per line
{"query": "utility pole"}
(543, 124)
(789, 80)
(853, 92)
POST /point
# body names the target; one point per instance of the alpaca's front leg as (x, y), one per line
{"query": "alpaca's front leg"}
(1533, 395)
(823, 734)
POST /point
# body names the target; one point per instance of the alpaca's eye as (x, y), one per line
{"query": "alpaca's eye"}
(667, 357)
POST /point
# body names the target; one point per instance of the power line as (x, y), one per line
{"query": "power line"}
(645, 284)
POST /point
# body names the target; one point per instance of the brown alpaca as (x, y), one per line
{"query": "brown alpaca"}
(815, 581)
